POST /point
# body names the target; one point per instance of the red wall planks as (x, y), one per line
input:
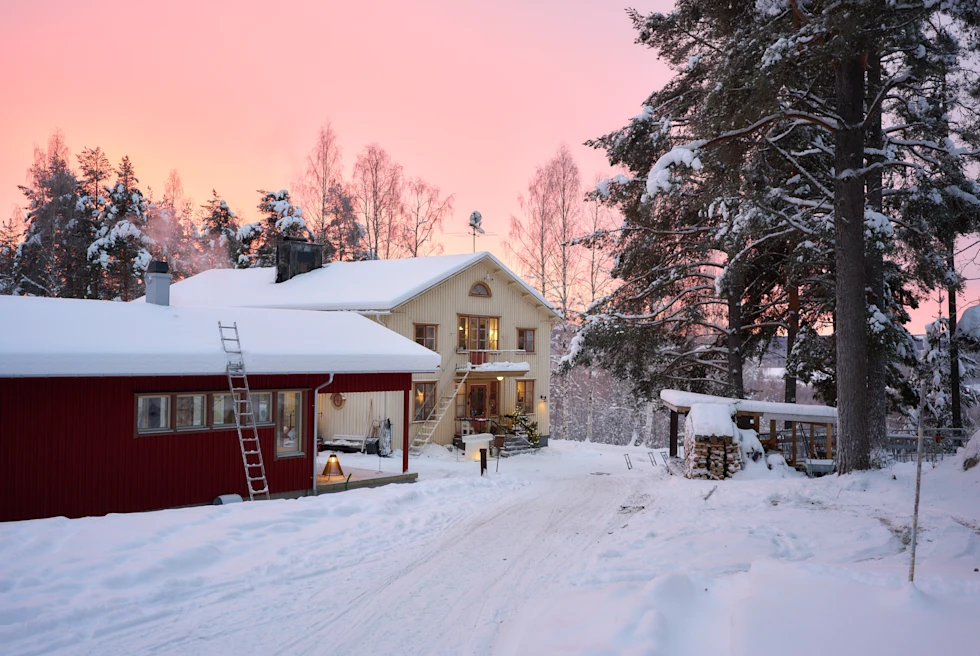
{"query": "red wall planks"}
(67, 445)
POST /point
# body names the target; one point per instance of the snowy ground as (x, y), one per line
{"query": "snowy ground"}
(564, 551)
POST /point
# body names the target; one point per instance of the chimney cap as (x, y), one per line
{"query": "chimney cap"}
(156, 266)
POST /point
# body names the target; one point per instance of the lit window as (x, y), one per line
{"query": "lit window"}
(525, 397)
(192, 411)
(479, 289)
(152, 413)
(425, 401)
(525, 340)
(289, 424)
(478, 333)
(425, 335)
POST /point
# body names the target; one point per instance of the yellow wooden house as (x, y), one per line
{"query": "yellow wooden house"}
(490, 327)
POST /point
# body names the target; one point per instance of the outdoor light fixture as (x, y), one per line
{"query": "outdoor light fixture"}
(500, 377)
(544, 398)
(333, 466)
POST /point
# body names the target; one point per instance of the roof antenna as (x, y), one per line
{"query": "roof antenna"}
(476, 219)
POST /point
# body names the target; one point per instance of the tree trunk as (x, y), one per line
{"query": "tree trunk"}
(792, 330)
(875, 270)
(854, 449)
(591, 407)
(735, 288)
(954, 347)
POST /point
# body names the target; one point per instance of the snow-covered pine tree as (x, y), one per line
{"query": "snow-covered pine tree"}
(94, 171)
(934, 372)
(770, 67)
(345, 236)
(10, 234)
(280, 219)
(122, 246)
(218, 234)
(47, 258)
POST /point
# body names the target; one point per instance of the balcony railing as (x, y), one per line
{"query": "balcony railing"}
(476, 357)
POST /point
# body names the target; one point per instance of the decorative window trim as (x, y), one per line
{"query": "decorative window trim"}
(534, 339)
(475, 290)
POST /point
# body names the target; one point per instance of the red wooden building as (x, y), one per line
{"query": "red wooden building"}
(121, 407)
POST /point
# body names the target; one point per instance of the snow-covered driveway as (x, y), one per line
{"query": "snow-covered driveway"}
(563, 551)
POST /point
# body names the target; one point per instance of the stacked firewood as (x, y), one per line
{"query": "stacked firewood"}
(712, 458)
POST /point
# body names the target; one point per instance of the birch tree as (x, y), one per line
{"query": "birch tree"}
(322, 177)
(425, 210)
(378, 188)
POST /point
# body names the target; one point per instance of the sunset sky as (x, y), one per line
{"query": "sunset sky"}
(471, 96)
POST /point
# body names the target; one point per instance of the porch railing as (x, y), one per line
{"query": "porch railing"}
(476, 357)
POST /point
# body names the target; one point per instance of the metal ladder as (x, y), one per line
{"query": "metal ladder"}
(428, 429)
(248, 432)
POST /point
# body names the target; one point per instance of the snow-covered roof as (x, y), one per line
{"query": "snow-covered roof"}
(823, 414)
(969, 323)
(711, 420)
(67, 337)
(369, 286)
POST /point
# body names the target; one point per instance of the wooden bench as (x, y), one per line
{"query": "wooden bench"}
(346, 443)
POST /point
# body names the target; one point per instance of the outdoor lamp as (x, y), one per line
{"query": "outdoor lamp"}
(333, 466)
(500, 377)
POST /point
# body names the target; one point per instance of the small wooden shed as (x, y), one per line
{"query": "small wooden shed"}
(809, 435)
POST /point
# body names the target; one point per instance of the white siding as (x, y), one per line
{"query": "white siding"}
(360, 409)
(515, 308)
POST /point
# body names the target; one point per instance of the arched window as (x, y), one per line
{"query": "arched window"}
(479, 289)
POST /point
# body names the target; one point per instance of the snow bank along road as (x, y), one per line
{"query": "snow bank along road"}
(563, 551)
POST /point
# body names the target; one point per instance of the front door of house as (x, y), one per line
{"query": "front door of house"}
(478, 406)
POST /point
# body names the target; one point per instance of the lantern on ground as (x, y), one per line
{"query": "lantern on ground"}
(333, 466)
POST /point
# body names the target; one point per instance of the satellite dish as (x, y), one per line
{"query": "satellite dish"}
(475, 220)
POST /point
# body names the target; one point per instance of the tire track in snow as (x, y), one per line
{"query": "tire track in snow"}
(509, 556)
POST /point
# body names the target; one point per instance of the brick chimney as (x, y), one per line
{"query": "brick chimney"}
(296, 256)
(158, 283)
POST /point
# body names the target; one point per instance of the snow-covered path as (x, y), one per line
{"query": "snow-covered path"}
(477, 573)
(563, 551)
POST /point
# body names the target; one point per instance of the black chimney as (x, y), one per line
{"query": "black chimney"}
(296, 256)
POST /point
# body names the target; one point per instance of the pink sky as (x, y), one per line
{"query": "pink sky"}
(471, 96)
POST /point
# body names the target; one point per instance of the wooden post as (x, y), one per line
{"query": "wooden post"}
(405, 440)
(794, 441)
(673, 433)
(830, 438)
(773, 437)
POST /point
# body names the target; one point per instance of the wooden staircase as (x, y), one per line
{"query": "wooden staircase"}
(442, 408)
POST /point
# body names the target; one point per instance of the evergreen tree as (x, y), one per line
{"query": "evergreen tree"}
(10, 234)
(750, 75)
(934, 375)
(281, 219)
(218, 235)
(46, 260)
(345, 236)
(122, 246)
(94, 171)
